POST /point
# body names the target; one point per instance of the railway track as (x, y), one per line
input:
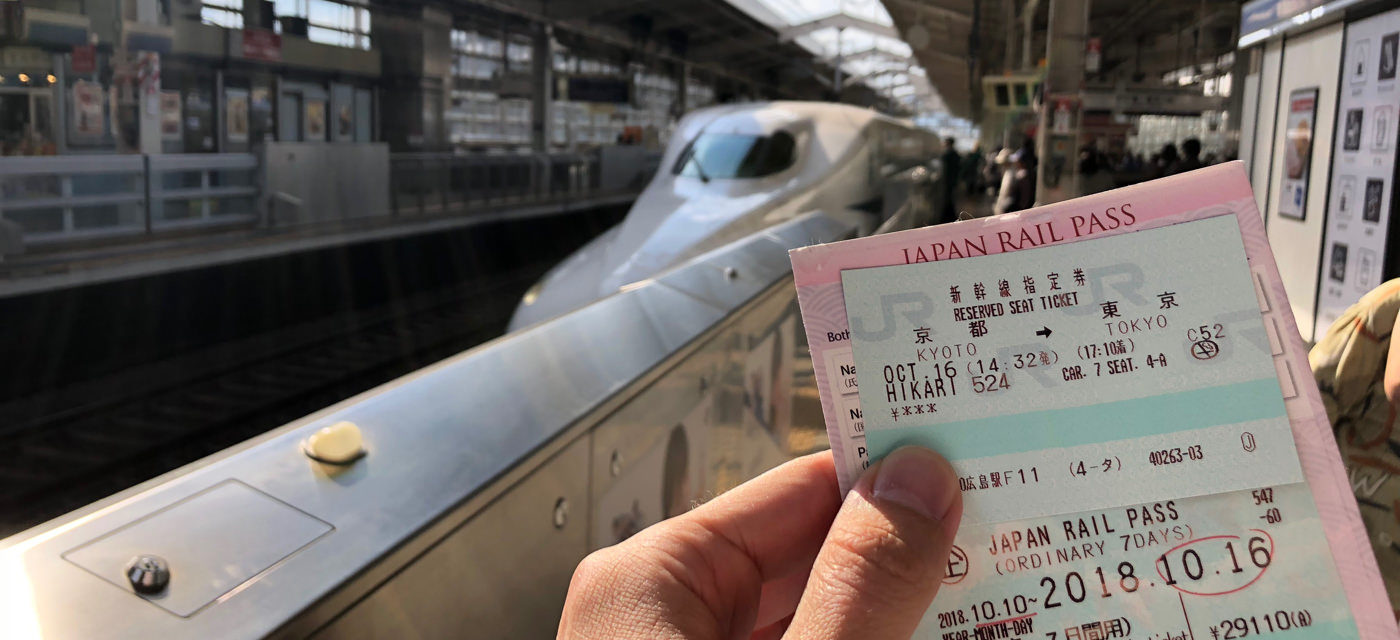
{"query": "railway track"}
(62, 461)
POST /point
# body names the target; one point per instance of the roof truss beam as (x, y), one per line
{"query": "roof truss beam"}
(838, 21)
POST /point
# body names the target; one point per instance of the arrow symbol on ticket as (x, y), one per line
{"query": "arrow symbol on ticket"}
(1044, 332)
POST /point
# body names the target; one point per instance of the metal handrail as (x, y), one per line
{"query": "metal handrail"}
(202, 161)
(71, 201)
(208, 192)
(423, 182)
(443, 444)
(84, 164)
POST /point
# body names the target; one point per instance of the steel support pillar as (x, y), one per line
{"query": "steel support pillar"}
(682, 90)
(542, 80)
(1057, 139)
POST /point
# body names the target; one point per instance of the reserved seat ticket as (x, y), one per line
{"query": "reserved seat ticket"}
(1120, 384)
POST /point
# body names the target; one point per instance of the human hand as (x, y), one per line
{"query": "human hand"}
(781, 556)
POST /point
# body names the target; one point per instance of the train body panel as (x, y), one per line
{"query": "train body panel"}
(731, 171)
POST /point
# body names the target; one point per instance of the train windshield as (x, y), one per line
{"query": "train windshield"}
(734, 155)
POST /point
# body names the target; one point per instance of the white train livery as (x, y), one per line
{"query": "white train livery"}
(731, 171)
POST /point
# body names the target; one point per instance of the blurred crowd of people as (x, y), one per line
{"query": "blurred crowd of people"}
(1129, 168)
(1009, 175)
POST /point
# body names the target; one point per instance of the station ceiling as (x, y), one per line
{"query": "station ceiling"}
(959, 41)
(740, 40)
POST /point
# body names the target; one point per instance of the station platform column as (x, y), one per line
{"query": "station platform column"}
(1057, 137)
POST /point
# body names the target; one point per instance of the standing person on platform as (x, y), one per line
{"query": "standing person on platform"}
(952, 164)
(1030, 161)
(972, 169)
(991, 171)
(1094, 173)
(1006, 192)
(1166, 162)
(1022, 183)
(1027, 152)
(1190, 156)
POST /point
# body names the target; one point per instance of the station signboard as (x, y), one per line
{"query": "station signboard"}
(1263, 19)
(261, 44)
(1363, 169)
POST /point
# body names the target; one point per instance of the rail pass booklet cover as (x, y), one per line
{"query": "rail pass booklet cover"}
(1120, 384)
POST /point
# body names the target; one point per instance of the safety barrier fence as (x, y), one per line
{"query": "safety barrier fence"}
(44, 200)
(433, 183)
(73, 197)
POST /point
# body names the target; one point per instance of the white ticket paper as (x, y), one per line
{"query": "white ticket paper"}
(1120, 385)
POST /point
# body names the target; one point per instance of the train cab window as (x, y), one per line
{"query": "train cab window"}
(732, 155)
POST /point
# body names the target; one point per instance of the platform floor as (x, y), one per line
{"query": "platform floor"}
(76, 265)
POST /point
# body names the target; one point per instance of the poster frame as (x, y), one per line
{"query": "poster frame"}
(238, 118)
(92, 131)
(1302, 215)
(315, 112)
(172, 111)
(1389, 259)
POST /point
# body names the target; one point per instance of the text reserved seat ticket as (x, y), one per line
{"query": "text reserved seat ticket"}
(1120, 384)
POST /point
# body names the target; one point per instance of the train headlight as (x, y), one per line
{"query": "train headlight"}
(532, 294)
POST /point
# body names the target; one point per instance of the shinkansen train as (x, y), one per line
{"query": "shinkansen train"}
(730, 171)
(460, 498)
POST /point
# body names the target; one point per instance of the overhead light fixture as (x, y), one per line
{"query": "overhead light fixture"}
(52, 79)
(24, 77)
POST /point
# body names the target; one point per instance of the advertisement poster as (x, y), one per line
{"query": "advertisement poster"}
(315, 119)
(1297, 153)
(1363, 167)
(237, 115)
(260, 107)
(170, 116)
(345, 122)
(88, 118)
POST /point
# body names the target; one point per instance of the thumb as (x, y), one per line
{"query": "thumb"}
(886, 554)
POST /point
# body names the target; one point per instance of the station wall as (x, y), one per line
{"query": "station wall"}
(1336, 244)
(1265, 101)
(1309, 61)
(1249, 113)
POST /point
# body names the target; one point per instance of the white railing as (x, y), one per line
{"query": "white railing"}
(57, 199)
(192, 189)
(72, 197)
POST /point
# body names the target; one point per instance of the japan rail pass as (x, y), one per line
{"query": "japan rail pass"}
(1121, 386)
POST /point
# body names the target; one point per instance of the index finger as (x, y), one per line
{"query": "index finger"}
(779, 519)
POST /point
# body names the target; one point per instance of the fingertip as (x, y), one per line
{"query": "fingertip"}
(918, 479)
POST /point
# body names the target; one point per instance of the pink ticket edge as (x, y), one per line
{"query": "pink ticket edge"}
(1199, 194)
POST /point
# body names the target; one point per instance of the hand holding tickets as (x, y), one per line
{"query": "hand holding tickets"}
(1119, 383)
(781, 556)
